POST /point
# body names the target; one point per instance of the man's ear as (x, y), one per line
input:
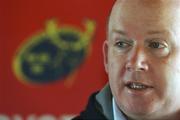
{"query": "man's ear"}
(105, 55)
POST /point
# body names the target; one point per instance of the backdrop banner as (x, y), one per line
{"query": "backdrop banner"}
(51, 57)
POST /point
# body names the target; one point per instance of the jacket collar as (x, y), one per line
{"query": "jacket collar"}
(104, 99)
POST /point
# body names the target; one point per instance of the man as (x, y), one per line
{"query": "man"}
(142, 60)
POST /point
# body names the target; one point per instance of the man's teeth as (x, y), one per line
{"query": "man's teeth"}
(136, 86)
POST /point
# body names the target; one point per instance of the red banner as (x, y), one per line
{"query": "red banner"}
(51, 57)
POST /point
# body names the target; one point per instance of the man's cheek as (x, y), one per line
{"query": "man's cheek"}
(162, 83)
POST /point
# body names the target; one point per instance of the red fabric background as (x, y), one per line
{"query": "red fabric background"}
(21, 19)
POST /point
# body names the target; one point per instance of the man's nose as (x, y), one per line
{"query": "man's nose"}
(137, 61)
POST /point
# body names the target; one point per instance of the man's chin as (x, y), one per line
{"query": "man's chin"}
(138, 115)
(140, 112)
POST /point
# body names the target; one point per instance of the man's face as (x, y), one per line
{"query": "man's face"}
(142, 58)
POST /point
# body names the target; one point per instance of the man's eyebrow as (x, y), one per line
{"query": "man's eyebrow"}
(156, 32)
(119, 32)
(149, 32)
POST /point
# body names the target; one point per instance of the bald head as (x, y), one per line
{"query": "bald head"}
(143, 11)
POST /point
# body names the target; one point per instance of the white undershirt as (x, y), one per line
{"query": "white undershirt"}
(116, 112)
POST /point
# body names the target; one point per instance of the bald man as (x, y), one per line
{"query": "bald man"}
(142, 60)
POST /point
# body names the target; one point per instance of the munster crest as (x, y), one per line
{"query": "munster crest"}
(54, 53)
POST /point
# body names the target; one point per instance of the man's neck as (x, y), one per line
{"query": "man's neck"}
(175, 116)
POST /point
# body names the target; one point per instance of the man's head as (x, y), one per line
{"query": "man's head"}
(142, 57)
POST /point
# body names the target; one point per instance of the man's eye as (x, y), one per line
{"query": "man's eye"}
(122, 44)
(156, 45)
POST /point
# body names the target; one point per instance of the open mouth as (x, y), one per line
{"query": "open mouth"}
(137, 86)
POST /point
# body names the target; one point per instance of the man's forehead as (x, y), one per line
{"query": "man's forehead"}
(150, 3)
(144, 15)
(146, 9)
